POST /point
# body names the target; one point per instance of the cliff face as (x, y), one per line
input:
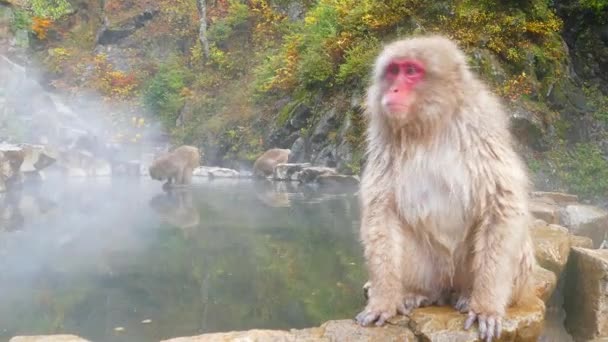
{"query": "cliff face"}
(292, 74)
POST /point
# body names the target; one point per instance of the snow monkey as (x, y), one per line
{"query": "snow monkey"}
(443, 194)
(176, 166)
(264, 165)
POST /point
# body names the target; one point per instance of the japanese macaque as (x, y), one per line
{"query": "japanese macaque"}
(443, 194)
(264, 165)
(176, 166)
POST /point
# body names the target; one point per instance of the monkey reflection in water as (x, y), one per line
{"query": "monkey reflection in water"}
(176, 207)
(273, 194)
(176, 167)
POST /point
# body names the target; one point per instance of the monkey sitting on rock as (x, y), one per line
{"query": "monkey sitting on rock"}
(176, 166)
(443, 194)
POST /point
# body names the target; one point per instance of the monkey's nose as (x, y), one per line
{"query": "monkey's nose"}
(395, 90)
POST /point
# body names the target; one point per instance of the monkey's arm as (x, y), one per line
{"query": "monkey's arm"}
(496, 241)
(382, 240)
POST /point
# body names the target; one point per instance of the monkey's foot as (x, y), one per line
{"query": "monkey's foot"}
(490, 326)
(412, 301)
(461, 303)
(379, 313)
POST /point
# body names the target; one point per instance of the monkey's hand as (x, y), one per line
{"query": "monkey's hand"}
(490, 323)
(379, 310)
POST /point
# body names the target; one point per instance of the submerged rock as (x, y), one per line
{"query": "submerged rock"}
(586, 301)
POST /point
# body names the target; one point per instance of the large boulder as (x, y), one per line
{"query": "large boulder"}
(585, 220)
(586, 299)
(551, 246)
(523, 323)
(545, 209)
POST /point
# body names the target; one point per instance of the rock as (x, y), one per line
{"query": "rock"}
(310, 174)
(551, 246)
(580, 241)
(112, 35)
(288, 171)
(325, 125)
(347, 330)
(444, 324)
(11, 159)
(339, 330)
(545, 283)
(36, 157)
(250, 335)
(48, 338)
(559, 197)
(426, 324)
(528, 128)
(212, 171)
(299, 116)
(586, 296)
(330, 180)
(585, 220)
(544, 211)
(298, 150)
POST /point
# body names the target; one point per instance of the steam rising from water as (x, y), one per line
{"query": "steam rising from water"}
(31, 114)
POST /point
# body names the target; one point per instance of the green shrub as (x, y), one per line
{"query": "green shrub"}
(358, 61)
(163, 95)
(21, 20)
(222, 29)
(581, 168)
(51, 9)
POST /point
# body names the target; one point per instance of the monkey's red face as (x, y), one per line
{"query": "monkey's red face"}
(402, 76)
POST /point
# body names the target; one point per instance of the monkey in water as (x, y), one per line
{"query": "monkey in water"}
(443, 193)
(176, 166)
(264, 165)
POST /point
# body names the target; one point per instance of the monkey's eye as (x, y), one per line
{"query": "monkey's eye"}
(393, 69)
(411, 69)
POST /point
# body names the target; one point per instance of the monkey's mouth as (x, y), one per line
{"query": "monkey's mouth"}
(397, 110)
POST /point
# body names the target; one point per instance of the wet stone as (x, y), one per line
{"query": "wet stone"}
(551, 246)
(586, 297)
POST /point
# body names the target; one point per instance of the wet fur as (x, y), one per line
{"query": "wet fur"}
(176, 166)
(443, 194)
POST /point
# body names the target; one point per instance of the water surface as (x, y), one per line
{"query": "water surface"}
(89, 256)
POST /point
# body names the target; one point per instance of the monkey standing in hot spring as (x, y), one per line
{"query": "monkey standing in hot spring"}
(443, 194)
